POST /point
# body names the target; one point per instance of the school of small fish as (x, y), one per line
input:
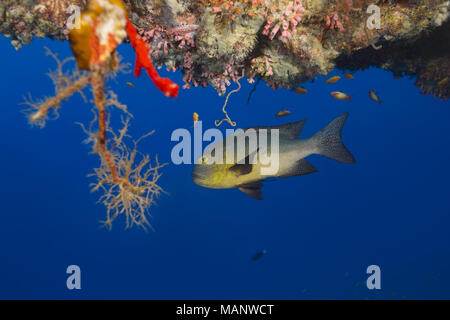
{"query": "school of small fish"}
(338, 95)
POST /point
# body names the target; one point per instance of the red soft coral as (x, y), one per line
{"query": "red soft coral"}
(165, 85)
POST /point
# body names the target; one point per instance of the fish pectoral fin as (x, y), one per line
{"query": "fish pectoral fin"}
(300, 168)
(252, 190)
(241, 169)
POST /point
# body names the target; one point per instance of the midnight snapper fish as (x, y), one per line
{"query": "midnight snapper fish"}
(247, 175)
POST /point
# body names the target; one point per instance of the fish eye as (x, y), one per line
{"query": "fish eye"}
(204, 159)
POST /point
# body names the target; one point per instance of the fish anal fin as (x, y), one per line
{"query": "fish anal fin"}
(252, 189)
(300, 168)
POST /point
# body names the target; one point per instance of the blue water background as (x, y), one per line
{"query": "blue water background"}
(320, 231)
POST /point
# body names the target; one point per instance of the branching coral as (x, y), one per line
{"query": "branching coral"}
(65, 84)
(130, 186)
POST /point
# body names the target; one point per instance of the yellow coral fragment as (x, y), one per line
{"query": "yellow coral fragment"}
(102, 29)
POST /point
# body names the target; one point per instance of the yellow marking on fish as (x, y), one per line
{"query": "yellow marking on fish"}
(220, 173)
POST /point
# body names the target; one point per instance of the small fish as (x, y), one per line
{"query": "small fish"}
(300, 90)
(258, 255)
(242, 174)
(195, 118)
(442, 82)
(282, 113)
(333, 79)
(340, 95)
(349, 76)
(130, 84)
(374, 96)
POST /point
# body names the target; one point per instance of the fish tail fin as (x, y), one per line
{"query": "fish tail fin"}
(328, 141)
(349, 98)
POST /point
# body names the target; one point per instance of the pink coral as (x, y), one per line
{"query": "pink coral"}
(332, 21)
(284, 17)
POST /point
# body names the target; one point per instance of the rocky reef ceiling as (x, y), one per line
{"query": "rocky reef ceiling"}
(282, 42)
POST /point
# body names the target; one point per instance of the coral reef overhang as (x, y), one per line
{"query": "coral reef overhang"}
(282, 42)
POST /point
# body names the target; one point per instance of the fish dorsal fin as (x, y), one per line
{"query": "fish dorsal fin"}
(287, 131)
(300, 168)
(246, 167)
(252, 189)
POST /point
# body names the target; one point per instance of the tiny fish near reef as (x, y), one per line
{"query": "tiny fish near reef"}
(442, 82)
(340, 95)
(291, 155)
(349, 76)
(300, 90)
(374, 96)
(282, 113)
(258, 255)
(333, 79)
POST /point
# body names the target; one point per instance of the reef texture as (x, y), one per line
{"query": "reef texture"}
(282, 42)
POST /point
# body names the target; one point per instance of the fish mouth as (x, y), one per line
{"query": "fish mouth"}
(197, 179)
